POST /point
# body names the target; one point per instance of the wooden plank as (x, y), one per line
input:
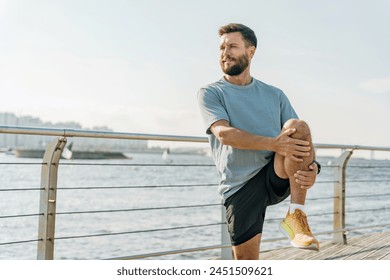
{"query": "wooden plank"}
(273, 254)
(351, 249)
(277, 254)
(378, 254)
(302, 254)
(386, 257)
(325, 252)
(335, 249)
(381, 251)
(368, 247)
(373, 246)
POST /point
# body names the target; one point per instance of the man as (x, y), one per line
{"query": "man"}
(262, 152)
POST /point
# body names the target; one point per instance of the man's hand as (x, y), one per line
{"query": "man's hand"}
(306, 179)
(292, 148)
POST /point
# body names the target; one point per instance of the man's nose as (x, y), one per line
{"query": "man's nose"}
(225, 52)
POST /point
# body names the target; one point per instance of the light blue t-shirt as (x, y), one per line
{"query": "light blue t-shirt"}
(257, 108)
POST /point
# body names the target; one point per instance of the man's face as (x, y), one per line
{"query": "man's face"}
(234, 55)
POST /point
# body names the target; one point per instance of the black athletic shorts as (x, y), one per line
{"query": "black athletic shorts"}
(245, 209)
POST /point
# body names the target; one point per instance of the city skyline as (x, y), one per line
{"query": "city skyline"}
(12, 119)
(136, 66)
(11, 141)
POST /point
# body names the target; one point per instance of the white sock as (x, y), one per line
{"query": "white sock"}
(294, 206)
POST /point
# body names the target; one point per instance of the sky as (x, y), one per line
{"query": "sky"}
(136, 66)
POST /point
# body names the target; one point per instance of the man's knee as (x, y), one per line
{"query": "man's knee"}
(301, 126)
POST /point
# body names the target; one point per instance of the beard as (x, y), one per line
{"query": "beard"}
(241, 64)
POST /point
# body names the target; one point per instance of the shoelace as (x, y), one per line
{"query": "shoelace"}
(298, 215)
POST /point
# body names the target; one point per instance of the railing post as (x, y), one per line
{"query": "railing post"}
(48, 199)
(339, 235)
(226, 252)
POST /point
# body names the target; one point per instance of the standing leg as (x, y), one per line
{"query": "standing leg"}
(249, 250)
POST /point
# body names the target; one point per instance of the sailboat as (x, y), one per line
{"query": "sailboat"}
(165, 155)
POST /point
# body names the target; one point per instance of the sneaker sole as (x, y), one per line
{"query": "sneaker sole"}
(286, 230)
(312, 246)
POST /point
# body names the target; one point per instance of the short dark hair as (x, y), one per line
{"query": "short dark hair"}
(247, 33)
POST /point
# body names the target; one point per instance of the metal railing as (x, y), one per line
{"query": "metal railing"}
(49, 186)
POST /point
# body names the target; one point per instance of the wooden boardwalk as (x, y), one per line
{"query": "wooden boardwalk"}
(364, 247)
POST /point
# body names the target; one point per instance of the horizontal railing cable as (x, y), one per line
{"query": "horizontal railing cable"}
(19, 242)
(320, 198)
(151, 186)
(368, 181)
(136, 231)
(367, 210)
(22, 163)
(21, 189)
(138, 209)
(135, 187)
(368, 166)
(368, 195)
(65, 163)
(141, 164)
(115, 164)
(20, 216)
(366, 227)
(286, 201)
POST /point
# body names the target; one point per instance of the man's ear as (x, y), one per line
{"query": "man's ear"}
(252, 50)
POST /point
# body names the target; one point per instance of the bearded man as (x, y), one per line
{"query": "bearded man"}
(262, 151)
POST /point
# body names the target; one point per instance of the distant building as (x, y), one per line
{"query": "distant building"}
(37, 141)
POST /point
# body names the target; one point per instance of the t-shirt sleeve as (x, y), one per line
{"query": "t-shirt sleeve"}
(211, 108)
(287, 111)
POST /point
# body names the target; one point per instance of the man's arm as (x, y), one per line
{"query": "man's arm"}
(283, 144)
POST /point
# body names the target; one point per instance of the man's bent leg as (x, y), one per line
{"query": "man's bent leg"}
(295, 224)
(286, 168)
(298, 194)
(249, 250)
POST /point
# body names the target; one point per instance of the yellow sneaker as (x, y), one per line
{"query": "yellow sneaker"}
(297, 229)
